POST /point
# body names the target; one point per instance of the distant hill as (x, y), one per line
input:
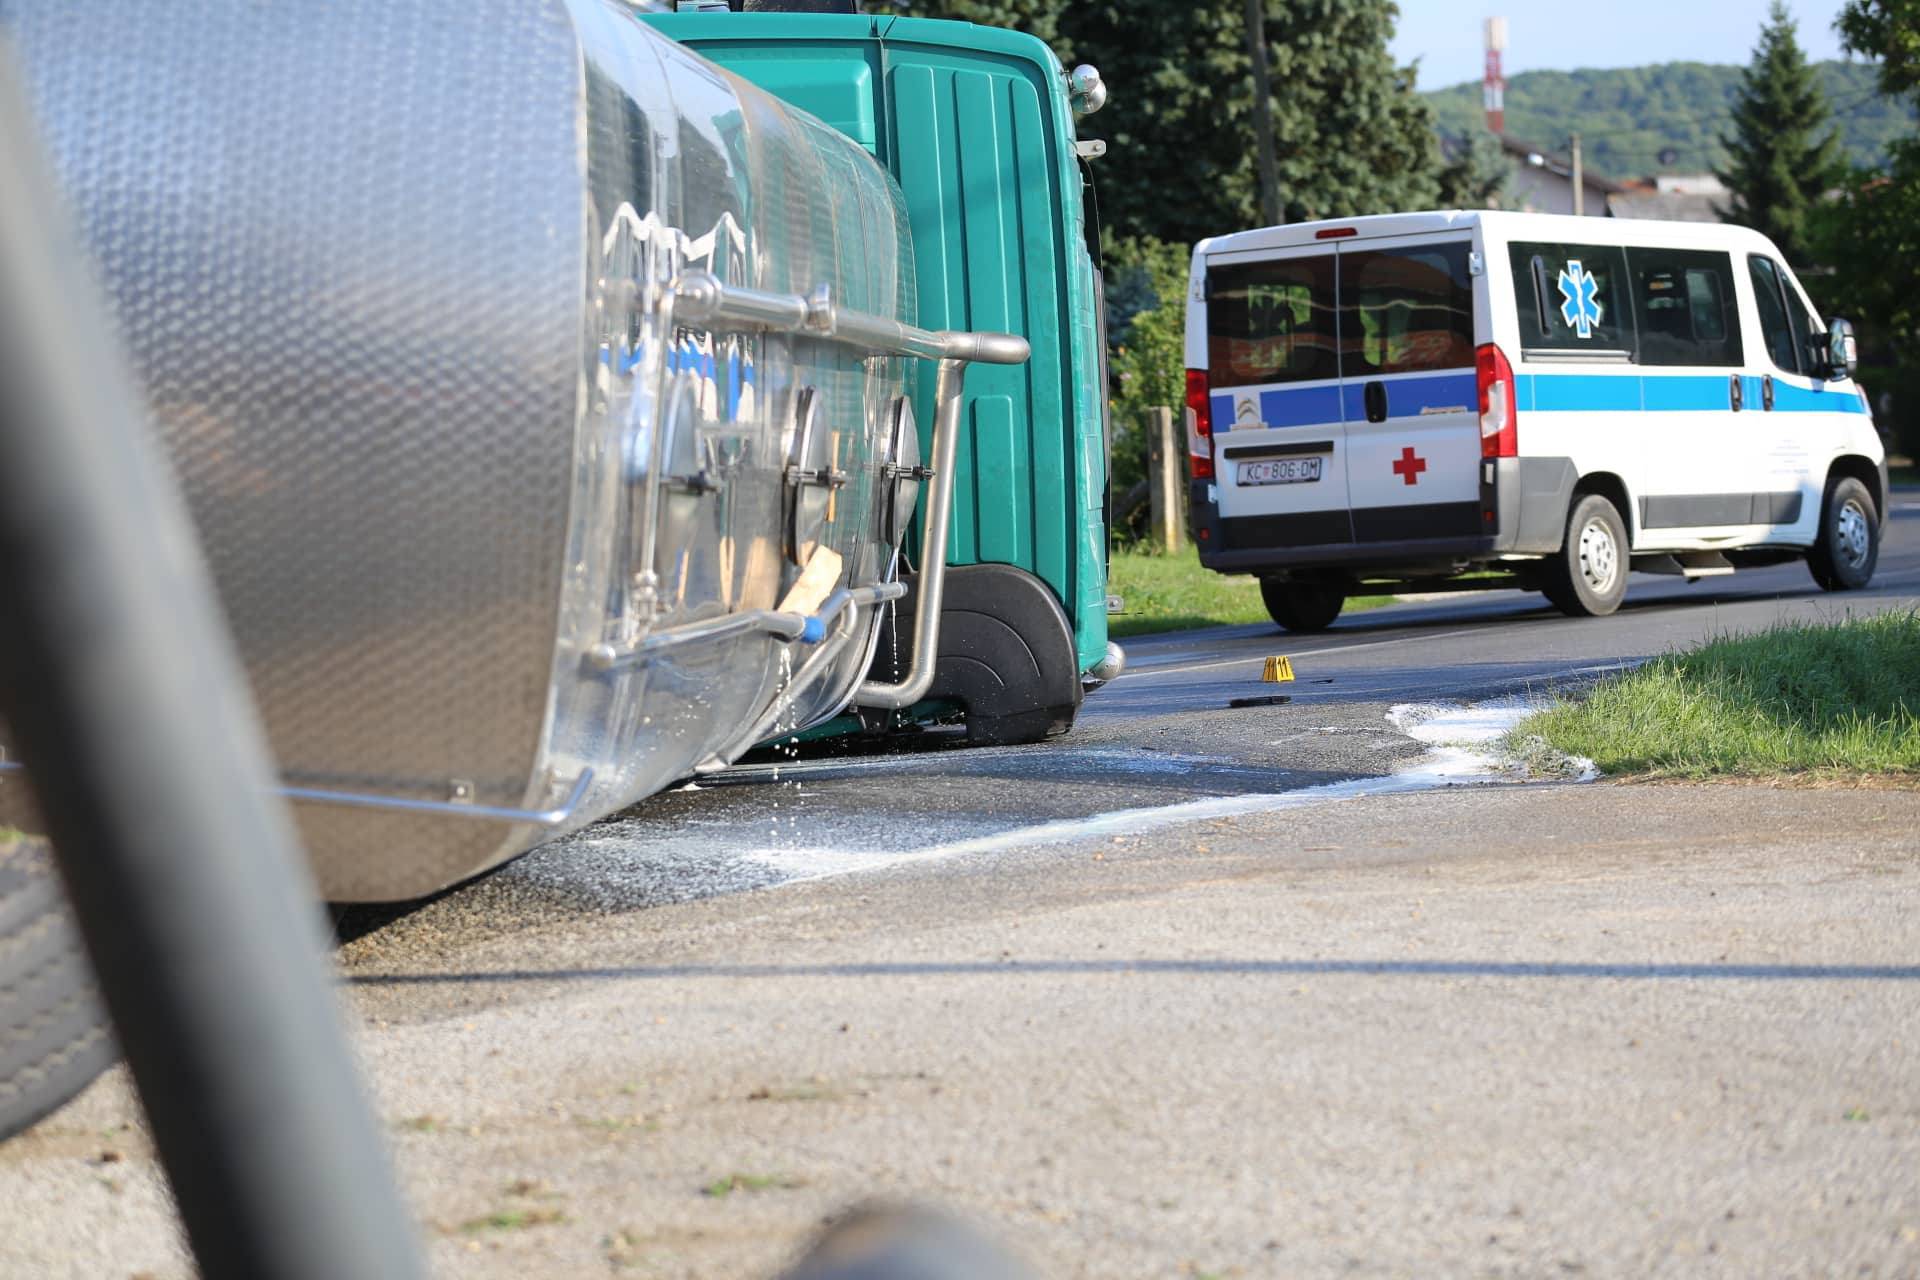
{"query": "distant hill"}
(1626, 116)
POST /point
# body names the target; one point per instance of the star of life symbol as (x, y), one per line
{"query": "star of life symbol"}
(1581, 310)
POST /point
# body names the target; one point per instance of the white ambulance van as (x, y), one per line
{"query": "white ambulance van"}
(1471, 399)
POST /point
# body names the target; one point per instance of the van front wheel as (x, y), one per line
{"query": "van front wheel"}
(1849, 546)
(1588, 579)
(1303, 606)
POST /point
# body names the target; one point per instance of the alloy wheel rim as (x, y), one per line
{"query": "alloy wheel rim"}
(1599, 557)
(1851, 535)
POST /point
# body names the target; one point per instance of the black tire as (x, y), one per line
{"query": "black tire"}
(1588, 578)
(1303, 606)
(54, 1036)
(1848, 550)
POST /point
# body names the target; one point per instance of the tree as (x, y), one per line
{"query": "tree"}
(1351, 135)
(1475, 171)
(1779, 160)
(1146, 292)
(1035, 17)
(1628, 116)
(1889, 31)
(1871, 234)
(1265, 162)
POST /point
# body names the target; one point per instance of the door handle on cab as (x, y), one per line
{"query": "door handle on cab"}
(1737, 392)
(1374, 397)
(1766, 393)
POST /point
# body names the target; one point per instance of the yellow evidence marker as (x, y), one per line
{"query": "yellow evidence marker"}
(1277, 670)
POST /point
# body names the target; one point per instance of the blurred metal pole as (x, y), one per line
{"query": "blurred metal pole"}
(127, 701)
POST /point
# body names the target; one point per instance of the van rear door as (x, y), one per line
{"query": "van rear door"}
(1409, 390)
(1274, 378)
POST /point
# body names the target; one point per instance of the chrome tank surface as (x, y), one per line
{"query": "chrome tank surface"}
(399, 281)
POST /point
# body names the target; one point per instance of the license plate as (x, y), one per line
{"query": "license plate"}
(1281, 471)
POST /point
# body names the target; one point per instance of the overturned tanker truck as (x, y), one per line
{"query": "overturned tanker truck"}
(545, 398)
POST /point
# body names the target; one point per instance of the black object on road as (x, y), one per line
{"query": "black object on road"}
(1263, 700)
(907, 1243)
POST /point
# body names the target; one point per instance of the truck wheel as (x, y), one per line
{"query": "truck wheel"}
(1588, 579)
(54, 1037)
(1849, 546)
(1303, 606)
(1006, 654)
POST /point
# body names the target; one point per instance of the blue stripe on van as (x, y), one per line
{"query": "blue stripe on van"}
(1686, 394)
(1300, 407)
(1571, 392)
(1536, 392)
(1318, 406)
(1289, 407)
(1410, 397)
(1825, 397)
(1670, 392)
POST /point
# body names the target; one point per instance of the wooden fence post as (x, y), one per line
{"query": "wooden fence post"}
(1163, 479)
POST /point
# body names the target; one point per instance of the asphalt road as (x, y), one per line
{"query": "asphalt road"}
(1189, 993)
(1162, 734)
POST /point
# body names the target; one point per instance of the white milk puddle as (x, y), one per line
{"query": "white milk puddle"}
(1460, 741)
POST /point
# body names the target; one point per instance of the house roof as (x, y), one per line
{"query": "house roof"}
(1526, 152)
(1672, 206)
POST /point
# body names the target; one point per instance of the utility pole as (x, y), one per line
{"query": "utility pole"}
(1579, 178)
(1263, 114)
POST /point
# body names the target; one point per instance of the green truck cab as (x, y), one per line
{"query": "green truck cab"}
(976, 124)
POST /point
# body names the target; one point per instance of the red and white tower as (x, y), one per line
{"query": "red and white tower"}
(1496, 84)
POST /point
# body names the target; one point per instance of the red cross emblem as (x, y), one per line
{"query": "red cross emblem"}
(1410, 465)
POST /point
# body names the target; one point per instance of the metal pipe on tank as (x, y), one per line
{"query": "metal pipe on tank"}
(701, 298)
(933, 548)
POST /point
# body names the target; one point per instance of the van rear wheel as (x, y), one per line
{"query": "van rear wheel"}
(1588, 579)
(1849, 546)
(1303, 606)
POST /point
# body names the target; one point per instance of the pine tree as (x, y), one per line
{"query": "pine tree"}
(1779, 160)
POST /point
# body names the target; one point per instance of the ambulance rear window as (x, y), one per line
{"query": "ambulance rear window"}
(1271, 322)
(1406, 310)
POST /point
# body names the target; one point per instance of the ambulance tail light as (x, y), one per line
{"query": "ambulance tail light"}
(1499, 418)
(1199, 426)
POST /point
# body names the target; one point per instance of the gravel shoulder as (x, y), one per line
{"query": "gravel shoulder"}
(1598, 1030)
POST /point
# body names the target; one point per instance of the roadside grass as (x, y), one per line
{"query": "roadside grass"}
(1826, 700)
(1173, 593)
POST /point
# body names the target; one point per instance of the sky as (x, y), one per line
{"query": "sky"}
(1558, 35)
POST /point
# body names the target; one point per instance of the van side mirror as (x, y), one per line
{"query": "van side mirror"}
(1843, 353)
